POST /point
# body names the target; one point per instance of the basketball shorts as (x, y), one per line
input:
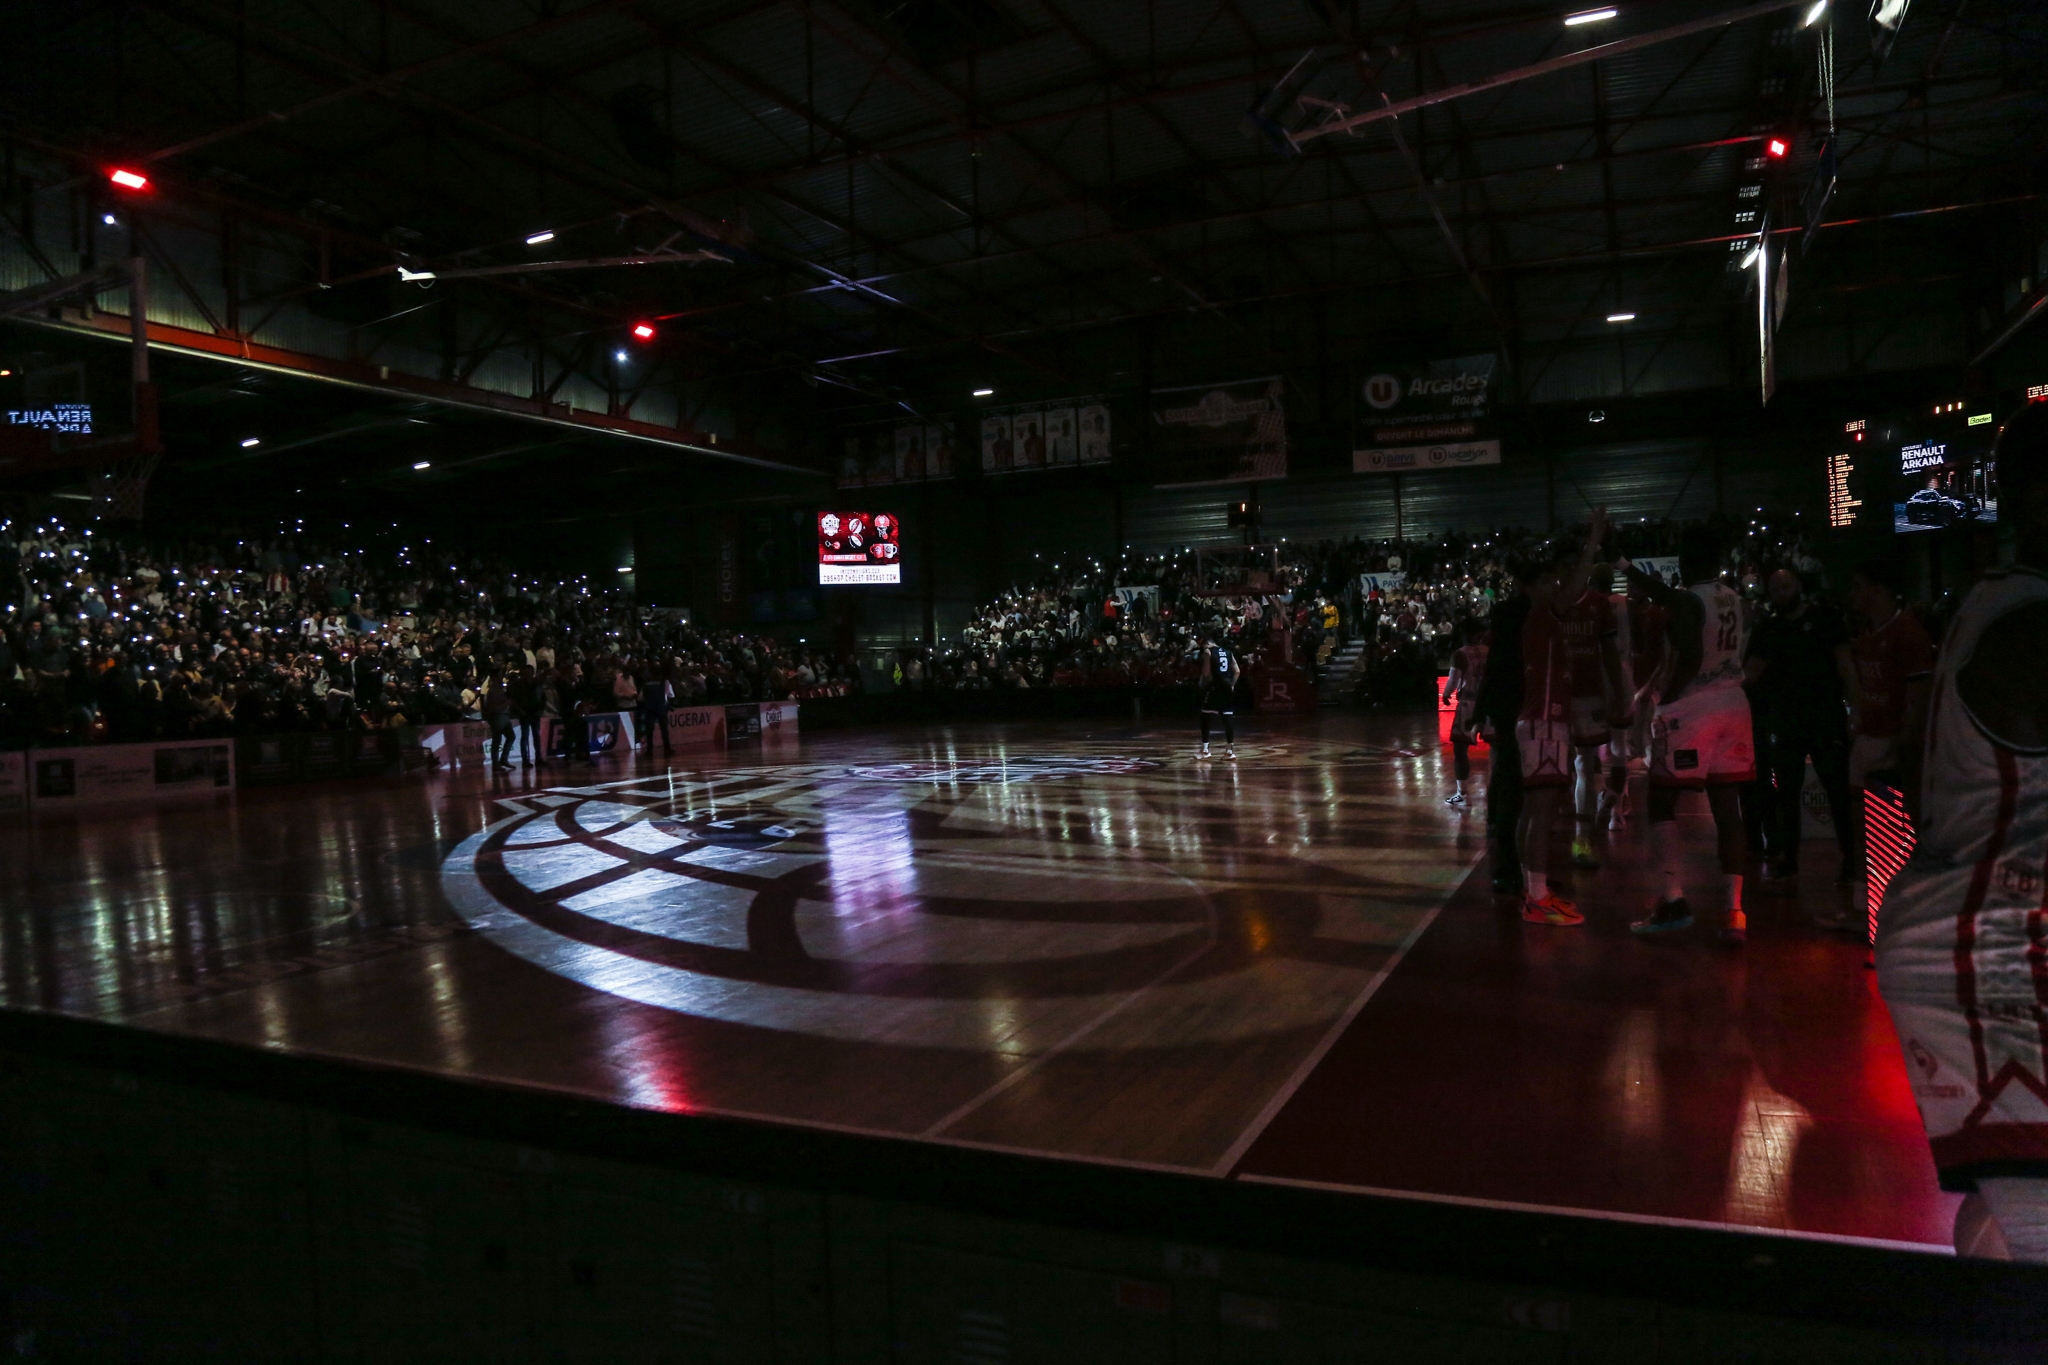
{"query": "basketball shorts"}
(1589, 721)
(1546, 752)
(1703, 740)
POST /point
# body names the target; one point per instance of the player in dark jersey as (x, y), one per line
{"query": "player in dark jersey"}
(1218, 685)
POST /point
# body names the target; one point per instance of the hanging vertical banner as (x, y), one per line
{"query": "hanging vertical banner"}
(1220, 433)
(939, 452)
(1062, 437)
(1027, 431)
(909, 454)
(998, 455)
(1094, 421)
(1433, 415)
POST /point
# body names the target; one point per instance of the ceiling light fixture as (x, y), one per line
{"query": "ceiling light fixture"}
(546, 235)
(128, 180)
(424, 464)
(251, 441)
(1621, 317)
(1589, 16)
(1776, 148)
(619, 356)
(984, 393)
(108, 219)
(644, 330)
(1813, 15)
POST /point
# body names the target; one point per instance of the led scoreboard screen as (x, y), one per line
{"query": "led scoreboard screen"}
(860, 547)
(1842, 481)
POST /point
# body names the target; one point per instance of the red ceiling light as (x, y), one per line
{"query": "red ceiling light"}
(127, 179)
(1775, 148)
(644, 331)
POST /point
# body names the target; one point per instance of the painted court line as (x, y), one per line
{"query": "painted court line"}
(1609, 1215)
(1329, 1040)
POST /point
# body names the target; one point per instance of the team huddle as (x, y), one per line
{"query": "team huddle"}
(1576, 684)
(1588, 681)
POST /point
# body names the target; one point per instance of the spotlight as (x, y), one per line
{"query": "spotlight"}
(619, 356)
(1813, 15)
(644, 331)
(1621, 317)
(128, 180)
(545, 235)
(424, 464)
(251, 442)
(1776, 148)
(1589, 16)
(108, 219)
(984, 393)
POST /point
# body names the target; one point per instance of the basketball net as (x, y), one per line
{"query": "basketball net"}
(119, 488)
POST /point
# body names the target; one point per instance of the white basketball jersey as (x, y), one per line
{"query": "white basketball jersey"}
(1954, 925)
(1724, 638)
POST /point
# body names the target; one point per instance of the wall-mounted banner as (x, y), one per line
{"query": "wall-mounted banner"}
(1435, 415)
(1383, 582)
(906, 453)
(1663, 568)
(117, 772)
(1128, 598)
(1061, 434)
(1220, 433)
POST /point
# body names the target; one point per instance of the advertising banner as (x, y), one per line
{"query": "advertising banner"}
(1433, 415)
(1128, 598)
(1220, 433)
(13, 783)
(1382, 582)
(860, 547)
(696, 725)
(464, 744)
(273, 760)
(126, 772)
(778, 720)
(1663, 568)
(742, 720)
(610, 732)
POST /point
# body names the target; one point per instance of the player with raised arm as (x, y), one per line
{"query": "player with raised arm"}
(1700, 738)
(1962, 949)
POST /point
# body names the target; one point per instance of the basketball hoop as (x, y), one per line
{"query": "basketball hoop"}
(119, 488)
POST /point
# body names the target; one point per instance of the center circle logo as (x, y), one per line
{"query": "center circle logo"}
(1382, 391)
(977, 906)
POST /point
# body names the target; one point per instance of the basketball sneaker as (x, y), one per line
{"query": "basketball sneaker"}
(1582, 855)
(1735, 929)
(1456, 800)
(1552, 909)
(1205, 750)
(1230, 751)
(1668, 918)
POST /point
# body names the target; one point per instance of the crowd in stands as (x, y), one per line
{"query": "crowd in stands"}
(108, 635)
(1143, 620)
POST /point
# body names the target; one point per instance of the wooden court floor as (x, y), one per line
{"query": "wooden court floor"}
(1075, 940)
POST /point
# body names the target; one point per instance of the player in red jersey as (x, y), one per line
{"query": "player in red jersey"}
(1591, 633)
(1543, 731)
(1467, 676)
